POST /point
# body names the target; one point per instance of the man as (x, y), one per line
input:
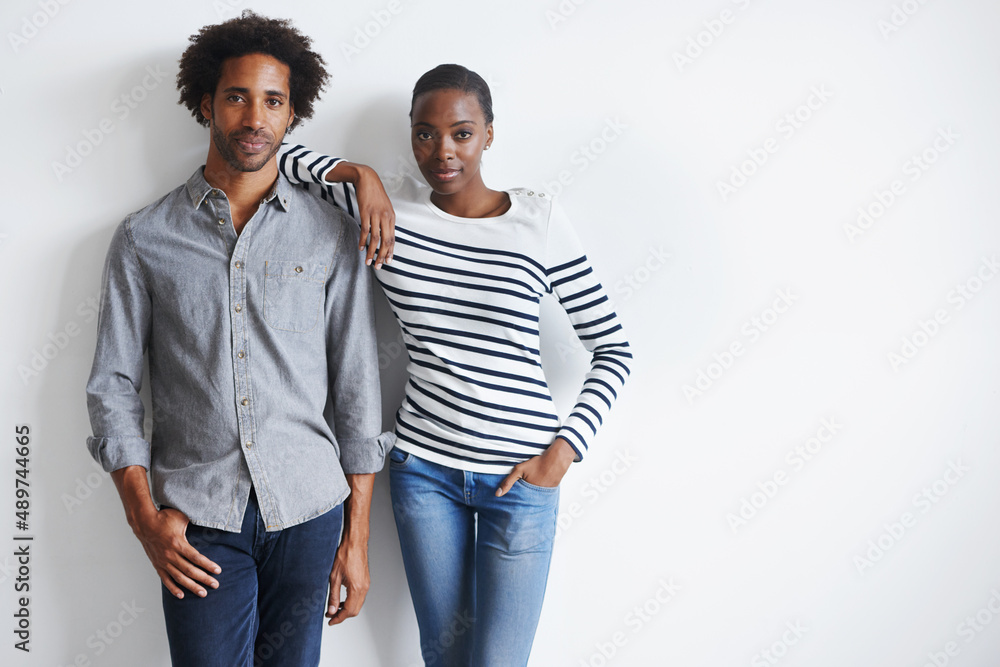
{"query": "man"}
(254, 305)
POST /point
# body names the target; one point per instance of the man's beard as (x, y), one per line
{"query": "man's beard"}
(239, 162)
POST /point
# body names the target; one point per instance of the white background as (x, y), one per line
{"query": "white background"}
(600, 94)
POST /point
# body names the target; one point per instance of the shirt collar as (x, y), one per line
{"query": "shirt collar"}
(199, 189)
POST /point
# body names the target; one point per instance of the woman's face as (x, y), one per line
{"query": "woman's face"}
(448, 133)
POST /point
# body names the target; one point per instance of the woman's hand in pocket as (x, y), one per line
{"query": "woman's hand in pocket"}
(546, 469)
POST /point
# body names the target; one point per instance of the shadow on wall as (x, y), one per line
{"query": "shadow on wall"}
(96, 564)
(373, 135)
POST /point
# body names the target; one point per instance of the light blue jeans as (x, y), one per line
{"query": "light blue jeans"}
(476, 564)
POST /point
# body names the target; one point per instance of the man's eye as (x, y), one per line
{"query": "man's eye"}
(234, 98)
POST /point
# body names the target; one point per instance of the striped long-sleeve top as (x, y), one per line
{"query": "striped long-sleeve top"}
(466, 293)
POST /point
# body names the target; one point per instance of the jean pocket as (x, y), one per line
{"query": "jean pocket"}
(398, 458)
(293, 294)
(535, 487)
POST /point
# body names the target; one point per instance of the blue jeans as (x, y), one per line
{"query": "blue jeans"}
(272, 594)
(476, 564)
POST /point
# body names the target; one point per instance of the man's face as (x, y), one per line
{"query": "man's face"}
(250, 111)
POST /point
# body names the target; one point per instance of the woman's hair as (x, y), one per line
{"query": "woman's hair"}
(455, 77)
(201, 63)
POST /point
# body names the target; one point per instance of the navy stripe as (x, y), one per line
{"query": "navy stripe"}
(402, 240)
(315, 162)
(477, 369)
(485, 251)
(583, 441)
(575, 276)
(602, 382)
(612, 360)
(437, 438)
(459, 302)
(606, 332)
(590, 290)
(461, 272)
(588, 390)
(595, 367)
(347, 198)
(561, 267)
(614, 347)
(493, 406)
(478, 350)
(577, 309)
(587, 325)
(469, 286)
(600, 420)
(466, 316)
(467, 431)
(582, 418)
(479, 415)
(480, 383)
(470, 334)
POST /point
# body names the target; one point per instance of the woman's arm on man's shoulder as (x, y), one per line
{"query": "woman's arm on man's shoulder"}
(354, 187)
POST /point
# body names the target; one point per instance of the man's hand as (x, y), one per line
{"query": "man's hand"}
(162, 535)
(546, 469)
(378, 220)
(173, 557)
(350, 566)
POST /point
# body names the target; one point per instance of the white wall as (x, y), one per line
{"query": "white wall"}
(652, 502)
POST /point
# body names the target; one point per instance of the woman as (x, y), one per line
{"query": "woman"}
(480, 451)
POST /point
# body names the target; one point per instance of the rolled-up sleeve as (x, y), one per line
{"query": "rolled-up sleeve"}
(352, 355)
(116, 410)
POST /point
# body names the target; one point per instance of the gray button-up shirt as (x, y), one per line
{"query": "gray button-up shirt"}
(263, 364)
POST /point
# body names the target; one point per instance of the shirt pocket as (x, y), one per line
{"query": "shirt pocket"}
(293, 294)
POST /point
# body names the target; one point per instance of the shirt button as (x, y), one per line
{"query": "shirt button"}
(541, 194)
(222, 221)
(239, 265)
(245, 401)
(298, 269)
(215, 193)
(238, 308)
(240, 354)
(249, 444)
(531, 193)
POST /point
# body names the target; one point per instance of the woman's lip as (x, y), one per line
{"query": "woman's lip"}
(445, 174)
